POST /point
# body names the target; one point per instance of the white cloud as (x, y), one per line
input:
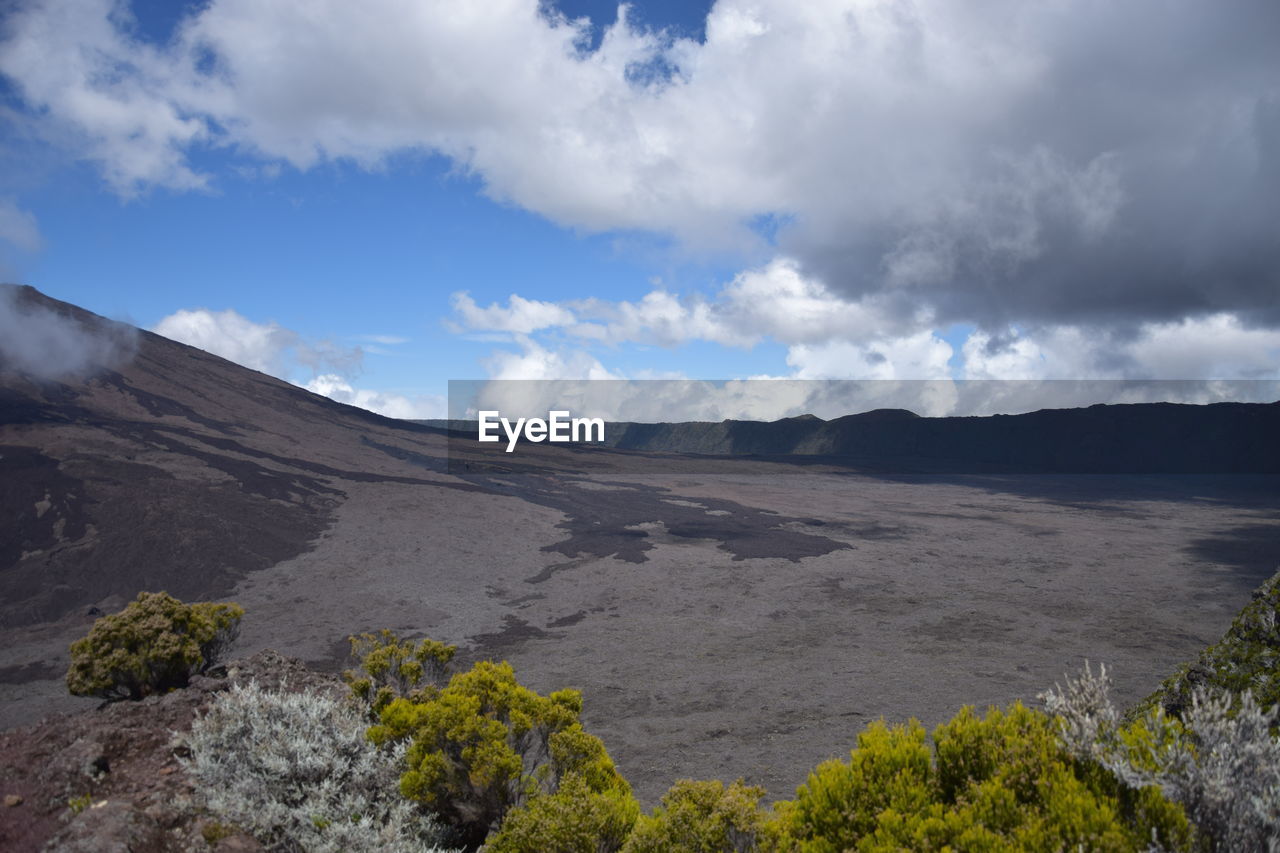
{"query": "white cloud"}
(659, 317)
(47, 345)
(281, 352)
(18, 227)
(775, 302)
(520, 316)
(126, 102)
(337, 388)
(260, 346)
(778, 301)
(828, 336)
(1217, 346)
(268, 347)
(1106, 168)
(987, 357)
(535, 361)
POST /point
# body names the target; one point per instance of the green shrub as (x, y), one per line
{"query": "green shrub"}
(575, 819)
(391, 668)
(485, 744)
(152, 646)
(841, 803)
(1001, 782)
(702, 817)
(581, 804)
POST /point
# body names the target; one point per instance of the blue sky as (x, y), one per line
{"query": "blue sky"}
(372, 202)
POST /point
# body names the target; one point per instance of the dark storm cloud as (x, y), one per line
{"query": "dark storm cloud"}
(1137, 180)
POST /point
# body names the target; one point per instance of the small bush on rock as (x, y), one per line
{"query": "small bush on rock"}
(152, 646)
(296, 771)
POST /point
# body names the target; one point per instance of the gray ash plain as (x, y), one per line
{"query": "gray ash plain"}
(746, 619)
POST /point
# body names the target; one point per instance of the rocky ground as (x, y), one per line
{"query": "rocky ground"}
(108, 780)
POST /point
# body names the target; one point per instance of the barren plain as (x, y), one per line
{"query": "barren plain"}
(737, 618)
(700, 656)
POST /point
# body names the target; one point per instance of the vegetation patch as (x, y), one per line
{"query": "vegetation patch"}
(152, 646)
(415, 759)
(296, 771)
(1247, 658)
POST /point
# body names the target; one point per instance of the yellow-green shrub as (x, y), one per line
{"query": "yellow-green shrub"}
(841, 803)
(154, 645)
(702, 817)
(1001, 782)
(577, 818)
(390, 668)
(485, 744)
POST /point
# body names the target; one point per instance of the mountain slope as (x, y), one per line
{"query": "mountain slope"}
(172, 468)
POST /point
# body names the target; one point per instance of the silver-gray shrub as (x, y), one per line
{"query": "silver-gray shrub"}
(1221, 763)
(295, 770)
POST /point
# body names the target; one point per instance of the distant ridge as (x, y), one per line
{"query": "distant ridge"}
(1132, 438)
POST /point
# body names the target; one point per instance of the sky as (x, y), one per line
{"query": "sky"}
(370, 199)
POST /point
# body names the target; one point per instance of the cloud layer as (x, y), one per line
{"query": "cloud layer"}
(47, 345)
(1015, 166)
(830, 335)
(321, 366)
(337, 388)
(267, 347)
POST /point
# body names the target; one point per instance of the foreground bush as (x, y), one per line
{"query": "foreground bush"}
(296, 771)
(1220, 761)
(1000, 782)
(152, 646)
(485, 746)
(702, 817)
(577, 818)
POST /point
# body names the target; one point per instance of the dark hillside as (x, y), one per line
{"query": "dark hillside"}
(172, 468)
(1139, 438)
